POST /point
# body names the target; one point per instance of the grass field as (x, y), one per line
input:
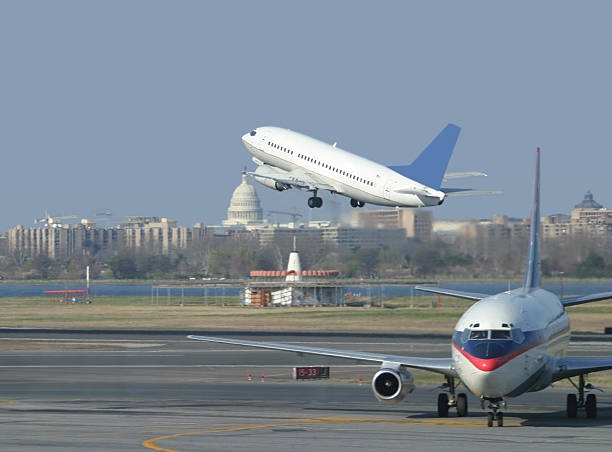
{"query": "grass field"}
(225, 314)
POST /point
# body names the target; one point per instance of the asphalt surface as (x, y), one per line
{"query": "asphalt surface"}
(161, 391)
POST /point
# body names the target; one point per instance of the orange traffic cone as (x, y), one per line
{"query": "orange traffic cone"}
(358, 380)
(262, 376)
(249, 378)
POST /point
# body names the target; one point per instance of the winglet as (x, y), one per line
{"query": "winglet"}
(532, 273)
(430, 166)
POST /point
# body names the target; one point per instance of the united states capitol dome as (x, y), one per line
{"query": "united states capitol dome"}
(245, 207)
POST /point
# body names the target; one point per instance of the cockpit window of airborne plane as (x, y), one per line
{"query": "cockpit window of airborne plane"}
(253, 132)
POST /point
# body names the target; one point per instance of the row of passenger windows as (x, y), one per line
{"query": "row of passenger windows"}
(280, 148)
(336, 170)
(324, 165)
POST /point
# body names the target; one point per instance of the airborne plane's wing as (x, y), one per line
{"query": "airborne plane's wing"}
(570, 367)
(453, 293)
(469, 192)
(438, 365)
(296, 178)
(571, 301)
(449, 176)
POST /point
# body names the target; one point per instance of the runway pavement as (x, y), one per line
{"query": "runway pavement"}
(118, 391)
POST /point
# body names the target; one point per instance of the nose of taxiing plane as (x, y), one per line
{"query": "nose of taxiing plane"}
(487, 384)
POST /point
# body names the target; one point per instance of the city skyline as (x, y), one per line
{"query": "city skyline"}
(268, 213)
(151, 114)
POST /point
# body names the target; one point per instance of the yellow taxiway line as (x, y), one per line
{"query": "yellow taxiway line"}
(151, 443)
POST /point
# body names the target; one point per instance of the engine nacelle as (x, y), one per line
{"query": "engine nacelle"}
(270, 183)
(392, 385)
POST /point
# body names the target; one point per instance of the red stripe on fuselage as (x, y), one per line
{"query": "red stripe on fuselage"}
(487, 365)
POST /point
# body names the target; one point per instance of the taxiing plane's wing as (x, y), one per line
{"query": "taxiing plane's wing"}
(453, 293)
(438, 365)
(571, 301)
(570, 367)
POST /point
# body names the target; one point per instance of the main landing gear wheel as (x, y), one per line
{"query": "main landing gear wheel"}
(572, 406)
(355, 203)
(462, 405)
(591, 406)
(315, 201)
(500, 419)
(589, 403)
(442, 405)
(489, 419)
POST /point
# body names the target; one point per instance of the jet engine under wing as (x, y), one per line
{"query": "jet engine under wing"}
(571, 301)
(295, 178)
(453, 293)
(570, 367)
(438, 365)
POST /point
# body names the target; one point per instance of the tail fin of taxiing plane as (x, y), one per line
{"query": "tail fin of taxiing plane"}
(429, 167)
(532, 274)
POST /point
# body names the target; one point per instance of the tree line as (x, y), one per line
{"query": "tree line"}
(228, 257)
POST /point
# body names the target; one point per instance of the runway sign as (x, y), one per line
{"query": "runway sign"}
(310, 373)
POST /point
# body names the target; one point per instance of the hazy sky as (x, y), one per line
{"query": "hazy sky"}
(139, 106)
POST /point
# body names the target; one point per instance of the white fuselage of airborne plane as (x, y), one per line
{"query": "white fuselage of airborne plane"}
(279, 151)
(507, 344)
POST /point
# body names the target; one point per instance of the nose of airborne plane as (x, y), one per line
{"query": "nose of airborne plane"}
(248, 137)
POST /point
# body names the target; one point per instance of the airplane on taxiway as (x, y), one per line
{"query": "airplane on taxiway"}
(287, 159)
(503, 346)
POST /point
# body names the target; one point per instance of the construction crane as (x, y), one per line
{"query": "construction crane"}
(294, 215)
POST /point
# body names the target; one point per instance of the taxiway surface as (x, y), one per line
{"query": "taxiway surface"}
(118, 391)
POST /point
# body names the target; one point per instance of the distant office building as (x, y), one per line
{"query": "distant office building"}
(333, 236)
(590, 217)
(487, 237)
(417, 224)
(62, 241)
(350, 237)
(163, 236)
(556, 226)
(245, 208)
(273, 235)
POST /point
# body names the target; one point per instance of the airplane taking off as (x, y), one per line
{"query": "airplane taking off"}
(289, 159)
(503, 346)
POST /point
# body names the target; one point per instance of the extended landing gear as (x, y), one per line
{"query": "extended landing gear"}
(315, 201)
(444, 403)
(495, 414)
(355, 203)
(574, 402)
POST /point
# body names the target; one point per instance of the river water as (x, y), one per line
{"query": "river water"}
(143, 290)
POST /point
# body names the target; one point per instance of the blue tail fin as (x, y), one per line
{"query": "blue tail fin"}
(429, 167)
(532, 274)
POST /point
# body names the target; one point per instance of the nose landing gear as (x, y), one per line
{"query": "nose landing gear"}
(495, 414)
(574, 402)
